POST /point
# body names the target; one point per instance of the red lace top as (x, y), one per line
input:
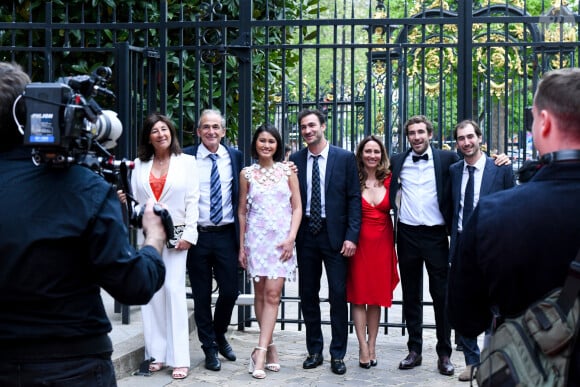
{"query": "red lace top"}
(157, 184)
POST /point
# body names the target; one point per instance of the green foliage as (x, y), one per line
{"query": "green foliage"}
(95, 11)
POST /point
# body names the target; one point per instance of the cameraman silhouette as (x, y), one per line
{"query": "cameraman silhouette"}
(62, 239)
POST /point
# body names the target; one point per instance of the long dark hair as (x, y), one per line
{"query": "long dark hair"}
(145, 150)
(271, 129)
(382, 169)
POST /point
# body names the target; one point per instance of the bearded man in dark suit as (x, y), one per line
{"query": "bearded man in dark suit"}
(328, 234)
(519, 243)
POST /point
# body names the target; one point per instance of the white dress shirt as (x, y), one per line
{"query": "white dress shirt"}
(224, 164)
(419, 203)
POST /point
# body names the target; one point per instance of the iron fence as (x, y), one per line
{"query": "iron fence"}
(369, 64)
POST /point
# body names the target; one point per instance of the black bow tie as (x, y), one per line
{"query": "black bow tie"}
(422, 157)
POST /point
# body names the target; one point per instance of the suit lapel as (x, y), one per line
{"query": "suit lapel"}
(329, 167)
(488, 177)
(456, 178)
(399, 166)
(171, 174)
(301, 164)
(438, 174)
(145, 172)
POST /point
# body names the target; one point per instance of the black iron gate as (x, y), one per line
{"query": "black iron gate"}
(369, 64)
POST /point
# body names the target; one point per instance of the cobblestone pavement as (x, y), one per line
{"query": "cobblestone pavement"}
(391, 349)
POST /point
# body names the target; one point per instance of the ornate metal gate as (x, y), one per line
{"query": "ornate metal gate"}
(369, 64)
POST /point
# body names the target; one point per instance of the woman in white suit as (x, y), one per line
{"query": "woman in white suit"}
(169, 176)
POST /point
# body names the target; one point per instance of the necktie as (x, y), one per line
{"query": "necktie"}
(422, 157)
(215, 192)
(315, 202)
(469, 196)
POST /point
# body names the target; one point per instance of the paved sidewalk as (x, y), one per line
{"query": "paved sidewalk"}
(391, 349)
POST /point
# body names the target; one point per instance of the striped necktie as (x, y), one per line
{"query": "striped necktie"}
(215, 212)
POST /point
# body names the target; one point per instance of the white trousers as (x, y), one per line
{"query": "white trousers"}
(165, 317)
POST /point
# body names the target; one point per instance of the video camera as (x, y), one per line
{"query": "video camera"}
(66, 126)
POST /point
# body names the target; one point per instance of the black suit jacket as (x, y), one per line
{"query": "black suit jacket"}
(517, 246)
(342, 195)
(236, 158)
(494, 179)
(442, 160)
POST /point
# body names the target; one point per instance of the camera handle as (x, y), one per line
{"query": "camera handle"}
(20, 127)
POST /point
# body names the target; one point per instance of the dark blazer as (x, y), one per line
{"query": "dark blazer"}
(494, 179)
(517, 246)
(442, 160)
(342, 195)
(236, 158)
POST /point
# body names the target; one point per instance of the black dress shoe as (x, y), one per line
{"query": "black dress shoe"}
(412, 360)
(337, 366)
(212, 362)
(444, 365)
(226, 350)
(312, 361)
(366, 366)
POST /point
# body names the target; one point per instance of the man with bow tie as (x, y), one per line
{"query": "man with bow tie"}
(421, 196)
(420, 191)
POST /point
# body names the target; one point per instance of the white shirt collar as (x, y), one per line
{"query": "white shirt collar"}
(203, 152)
(479, 164)
(324, 152)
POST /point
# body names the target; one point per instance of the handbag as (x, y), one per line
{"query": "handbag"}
(177, 233)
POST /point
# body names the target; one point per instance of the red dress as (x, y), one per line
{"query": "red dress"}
(372, 275)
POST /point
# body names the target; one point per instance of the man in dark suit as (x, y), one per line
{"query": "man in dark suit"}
(420, 192)
(519, 243)
(328, 234)
(216, 251)
(486, 178)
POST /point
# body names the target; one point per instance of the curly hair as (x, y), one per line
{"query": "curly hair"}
(382, 169)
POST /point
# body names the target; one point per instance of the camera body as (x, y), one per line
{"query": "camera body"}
(65, 125)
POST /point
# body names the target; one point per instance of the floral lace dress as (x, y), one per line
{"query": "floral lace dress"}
(269, 213)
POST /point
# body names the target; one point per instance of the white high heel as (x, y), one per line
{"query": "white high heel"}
(256, 373)
(274, 367)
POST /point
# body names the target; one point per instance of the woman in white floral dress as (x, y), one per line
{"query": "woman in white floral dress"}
(269, 212)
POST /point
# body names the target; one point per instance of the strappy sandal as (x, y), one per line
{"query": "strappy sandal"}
(256, 373)
(274, 367)
(154, 367)
(180, 373)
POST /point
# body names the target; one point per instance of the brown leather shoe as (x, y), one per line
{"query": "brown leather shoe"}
(412, 360)
(444, 365)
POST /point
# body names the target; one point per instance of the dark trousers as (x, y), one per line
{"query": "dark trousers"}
(90, 371)
(417, 245)
(312, 253)
(215, 254)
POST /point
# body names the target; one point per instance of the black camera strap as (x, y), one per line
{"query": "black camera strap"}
(571, 287)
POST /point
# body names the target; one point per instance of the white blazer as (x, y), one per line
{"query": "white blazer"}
(180, 193)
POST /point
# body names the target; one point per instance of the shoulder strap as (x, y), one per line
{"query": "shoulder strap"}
(571, 286)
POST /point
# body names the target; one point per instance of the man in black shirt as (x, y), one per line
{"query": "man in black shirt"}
(62, 239)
